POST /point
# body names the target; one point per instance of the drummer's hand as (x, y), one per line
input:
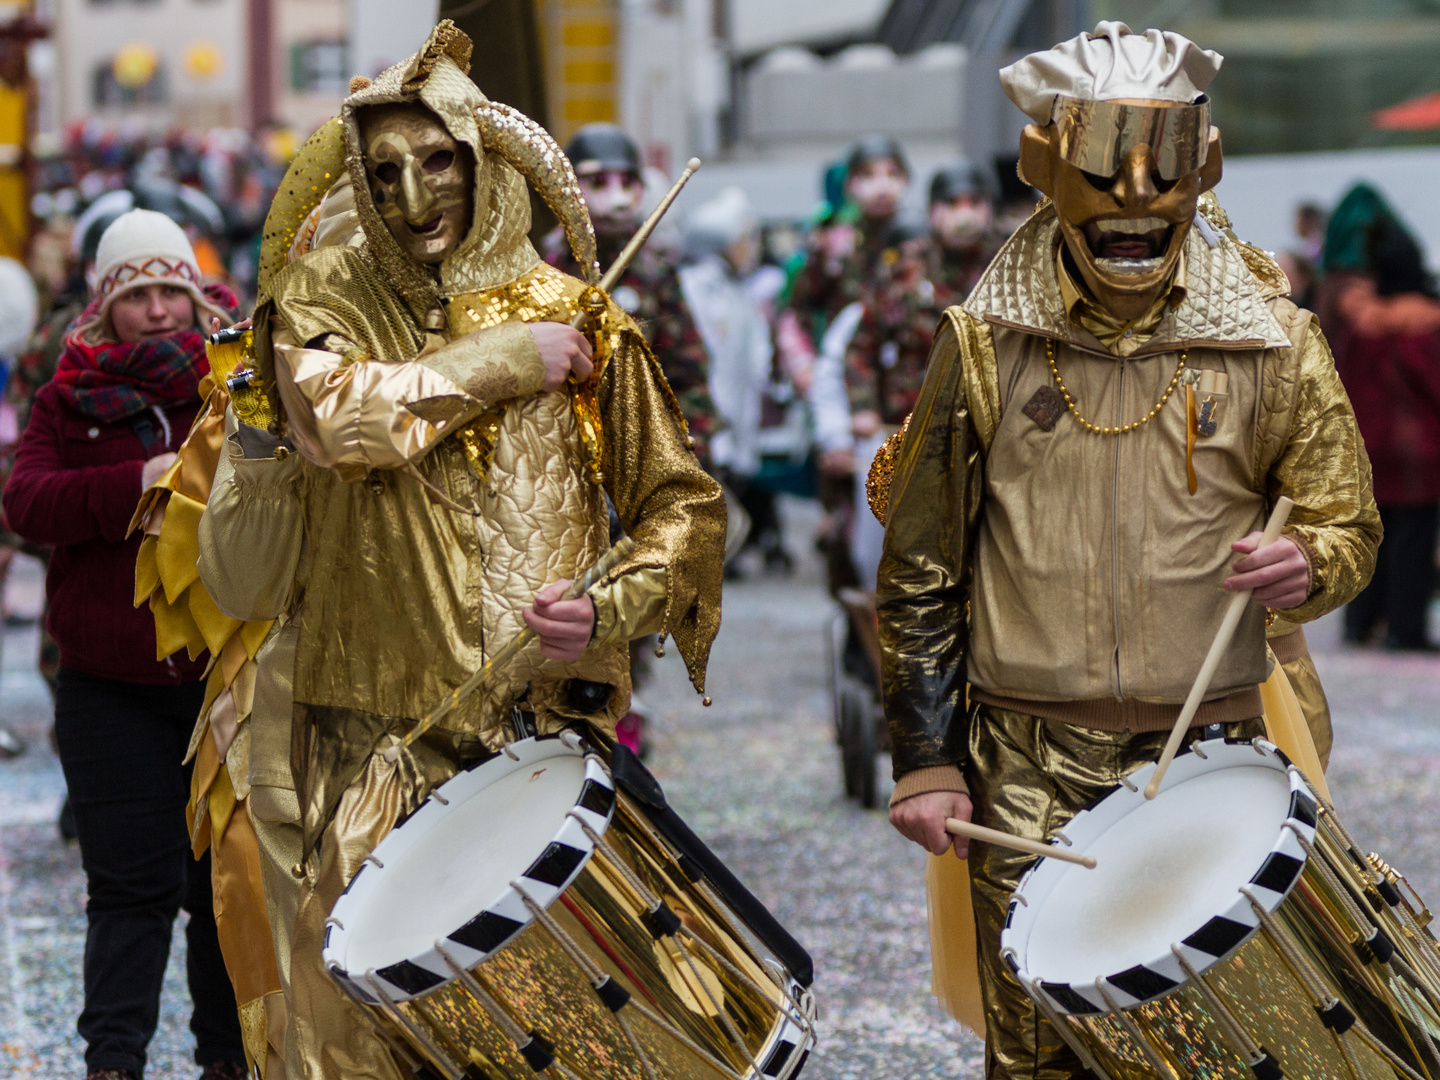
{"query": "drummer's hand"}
(922, 818)
(243, 324)
(564, 350)
(564, 626)
(1279, 573)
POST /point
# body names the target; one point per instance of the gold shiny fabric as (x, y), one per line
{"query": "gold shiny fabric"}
(969, 442)
(1029, 776)
(538, 983)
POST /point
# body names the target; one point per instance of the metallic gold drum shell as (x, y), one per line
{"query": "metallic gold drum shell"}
(728, 1012)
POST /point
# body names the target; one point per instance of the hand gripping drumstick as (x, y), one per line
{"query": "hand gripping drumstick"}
(578, 588)
(1238, 602)
(956, 827)
(591, 304)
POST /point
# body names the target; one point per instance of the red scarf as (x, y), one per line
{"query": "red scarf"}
(111, 382)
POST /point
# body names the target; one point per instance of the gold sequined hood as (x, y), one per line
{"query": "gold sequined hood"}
(509, 149)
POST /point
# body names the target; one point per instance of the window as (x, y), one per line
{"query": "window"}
(319, 67)
(107, 92)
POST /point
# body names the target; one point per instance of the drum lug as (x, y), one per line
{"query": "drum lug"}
(1267, 1068)
(661, 921)
(538, 1052)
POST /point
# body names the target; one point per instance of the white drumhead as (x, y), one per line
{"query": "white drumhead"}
(1165, 870)
(452, 865)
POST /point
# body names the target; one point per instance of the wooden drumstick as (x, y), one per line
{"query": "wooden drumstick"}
(956, 827)
(1238, 603)
(507, 652)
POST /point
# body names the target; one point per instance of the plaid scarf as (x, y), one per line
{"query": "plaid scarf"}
(111, 382)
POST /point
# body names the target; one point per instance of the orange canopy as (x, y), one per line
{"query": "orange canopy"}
(1418, 114)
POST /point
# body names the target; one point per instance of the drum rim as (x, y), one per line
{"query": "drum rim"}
(501, 920)
(1217, 939)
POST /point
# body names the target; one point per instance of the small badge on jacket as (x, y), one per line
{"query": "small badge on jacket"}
(1045, 407)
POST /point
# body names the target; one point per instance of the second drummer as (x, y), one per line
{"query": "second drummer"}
(1102, 428)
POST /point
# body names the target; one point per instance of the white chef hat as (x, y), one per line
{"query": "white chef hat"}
(1110, 63)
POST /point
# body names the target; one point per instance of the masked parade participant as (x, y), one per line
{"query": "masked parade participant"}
(454, 443)
(1103, 427)
(607, 165)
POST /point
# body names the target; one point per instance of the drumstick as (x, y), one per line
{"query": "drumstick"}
(956, 827)
(578, 588)
(1237, 606)
(622, 262)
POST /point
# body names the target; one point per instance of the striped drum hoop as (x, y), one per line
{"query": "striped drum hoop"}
(1231, 929)
(534, 916)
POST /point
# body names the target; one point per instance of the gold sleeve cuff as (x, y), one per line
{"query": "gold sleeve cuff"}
(354, 417)
(931, 778)
(491, 365)
(630, 607)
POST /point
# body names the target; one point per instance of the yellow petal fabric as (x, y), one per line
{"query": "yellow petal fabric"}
(178, 550)
(215, 626)
(174, 628)
(147, 571)
(222, 804)
(253, 634)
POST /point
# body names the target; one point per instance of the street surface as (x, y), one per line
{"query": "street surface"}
(757, 775)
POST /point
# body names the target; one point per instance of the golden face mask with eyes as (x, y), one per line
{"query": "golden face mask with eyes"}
(421, 180)
(1125, 177)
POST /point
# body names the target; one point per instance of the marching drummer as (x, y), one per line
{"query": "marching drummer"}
(1102, 429)
(446, 478)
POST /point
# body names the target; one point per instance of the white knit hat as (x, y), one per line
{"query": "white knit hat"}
(1112, 62)
(143, 247)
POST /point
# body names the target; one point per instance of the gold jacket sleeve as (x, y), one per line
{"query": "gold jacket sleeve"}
(924, 581)
(356, 414)
(675, 512)
(1323, 467)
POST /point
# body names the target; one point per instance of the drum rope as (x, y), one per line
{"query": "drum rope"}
(402, 1051)
(502, 1019)
(1249, 1049)
(1062, 1028)
(1325, 1001)
(1160, 1066)
(1395, 1059)
(387, 1004)
(1342, 893)
(654, 903)
(590, 970)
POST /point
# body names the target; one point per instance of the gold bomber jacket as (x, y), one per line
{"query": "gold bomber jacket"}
(1072, 575)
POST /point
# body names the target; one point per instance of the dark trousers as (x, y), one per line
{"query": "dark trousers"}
(1404, 580)
(121, 745)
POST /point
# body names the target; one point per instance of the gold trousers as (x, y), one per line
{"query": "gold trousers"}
(1030, 776)
(330, 1037)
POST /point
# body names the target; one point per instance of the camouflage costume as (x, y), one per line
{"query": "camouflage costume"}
(823, 286)
(650, 294)
(885, 363)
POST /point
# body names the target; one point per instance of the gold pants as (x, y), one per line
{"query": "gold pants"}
(1030, 776)
(330, 1037)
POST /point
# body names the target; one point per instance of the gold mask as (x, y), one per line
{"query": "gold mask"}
(422, 180)
(1125, 228)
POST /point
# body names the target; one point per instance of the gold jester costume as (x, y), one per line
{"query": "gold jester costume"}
(435, 491)
(1124, 394)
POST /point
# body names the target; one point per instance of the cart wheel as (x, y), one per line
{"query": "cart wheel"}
(852, 712)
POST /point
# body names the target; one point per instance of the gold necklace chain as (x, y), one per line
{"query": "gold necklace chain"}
(1134, 424)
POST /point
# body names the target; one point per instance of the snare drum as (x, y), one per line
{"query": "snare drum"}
(530, 918)
(1230, 930)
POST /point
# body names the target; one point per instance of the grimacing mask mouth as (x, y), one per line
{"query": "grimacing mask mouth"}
(422, 180)
(1124, 230)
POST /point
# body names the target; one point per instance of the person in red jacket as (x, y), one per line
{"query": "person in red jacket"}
(106, 427)
(1387, 351)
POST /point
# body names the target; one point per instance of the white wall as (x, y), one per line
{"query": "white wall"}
(384, 32)
(756, 25)
(1261, 193)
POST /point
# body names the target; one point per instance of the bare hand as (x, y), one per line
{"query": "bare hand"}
(155, 468)
(564, 350)
(837, 462)
(243, 324)
(1279, 573)
(865, 423)
(922, 818)
(564, 626)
